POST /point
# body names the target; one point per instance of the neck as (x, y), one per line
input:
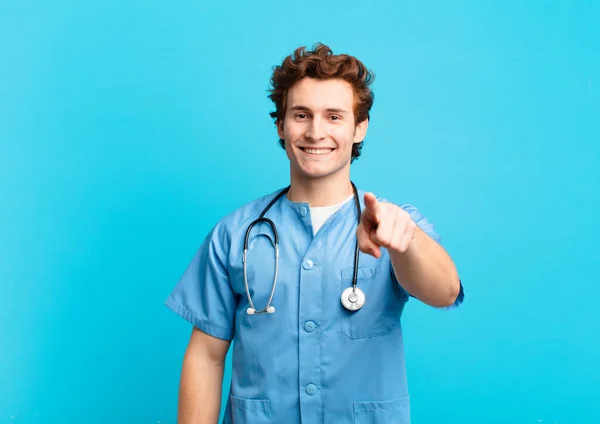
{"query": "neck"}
(320, 192)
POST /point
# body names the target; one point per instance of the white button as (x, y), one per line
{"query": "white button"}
(310, 326)
(303, 211)
(307, 264)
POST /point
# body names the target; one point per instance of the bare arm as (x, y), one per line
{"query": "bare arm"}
(201, 379)
(426, 271)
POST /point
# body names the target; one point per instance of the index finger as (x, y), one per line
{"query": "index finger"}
(372, 208)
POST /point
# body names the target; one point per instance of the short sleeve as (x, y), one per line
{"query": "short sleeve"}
(429, 229)
(422, 222)
(203, 296)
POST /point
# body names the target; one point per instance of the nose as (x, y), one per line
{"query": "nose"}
(315, 130)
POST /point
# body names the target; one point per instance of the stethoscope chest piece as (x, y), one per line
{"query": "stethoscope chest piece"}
(353, 298)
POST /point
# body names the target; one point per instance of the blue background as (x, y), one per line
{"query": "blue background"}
(128, 128)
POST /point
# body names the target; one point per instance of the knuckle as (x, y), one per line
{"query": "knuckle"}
(384, 239)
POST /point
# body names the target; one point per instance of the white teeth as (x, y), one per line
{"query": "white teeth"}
(317, 151)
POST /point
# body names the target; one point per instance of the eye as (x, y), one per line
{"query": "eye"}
(335, 117)
(301, 116)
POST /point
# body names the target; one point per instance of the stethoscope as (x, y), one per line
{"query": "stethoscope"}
(352, 298)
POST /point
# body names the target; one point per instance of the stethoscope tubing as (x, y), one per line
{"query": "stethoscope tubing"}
(270, 309)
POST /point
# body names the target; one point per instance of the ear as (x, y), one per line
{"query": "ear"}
(280, 129)
(361, 131)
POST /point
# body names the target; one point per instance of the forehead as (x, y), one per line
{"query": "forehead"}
(321, 94)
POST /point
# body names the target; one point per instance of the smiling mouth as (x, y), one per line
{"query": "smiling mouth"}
(316, 152)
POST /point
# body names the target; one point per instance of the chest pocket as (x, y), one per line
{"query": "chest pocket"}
(395, 411)
(381, 312)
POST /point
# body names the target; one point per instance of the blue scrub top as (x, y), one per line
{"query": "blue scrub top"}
(312, 361)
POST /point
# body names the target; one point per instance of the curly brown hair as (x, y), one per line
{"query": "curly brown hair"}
(321, 63)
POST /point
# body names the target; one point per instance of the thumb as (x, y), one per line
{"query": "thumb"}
(365, 244)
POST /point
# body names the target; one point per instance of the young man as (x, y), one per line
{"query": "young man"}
(315, 323)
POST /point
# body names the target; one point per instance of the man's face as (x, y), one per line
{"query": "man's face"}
(319, 128)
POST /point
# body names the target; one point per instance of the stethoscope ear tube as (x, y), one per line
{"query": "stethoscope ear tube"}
(268, 309)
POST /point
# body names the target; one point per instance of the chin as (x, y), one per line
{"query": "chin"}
(316, 173)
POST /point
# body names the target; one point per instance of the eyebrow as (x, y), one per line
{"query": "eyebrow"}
(331, 109)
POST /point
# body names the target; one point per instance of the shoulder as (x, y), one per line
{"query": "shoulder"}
(414, 212)
(239, 218)
(410, 208)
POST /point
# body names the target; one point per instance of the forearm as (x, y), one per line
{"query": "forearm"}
(200, 390)
(426, 271)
